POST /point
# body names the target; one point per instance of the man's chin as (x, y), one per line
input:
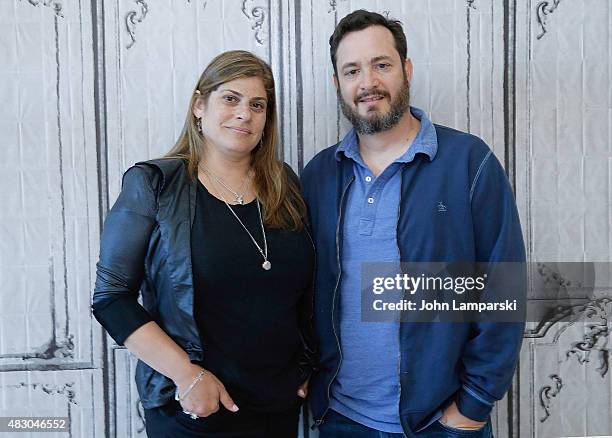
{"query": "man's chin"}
(371, 116)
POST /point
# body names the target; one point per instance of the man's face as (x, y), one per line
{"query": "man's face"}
(372, 82)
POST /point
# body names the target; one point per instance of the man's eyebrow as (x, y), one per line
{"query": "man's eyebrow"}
(372, 61)
(349, 64)
(241, 95)
(380, 58)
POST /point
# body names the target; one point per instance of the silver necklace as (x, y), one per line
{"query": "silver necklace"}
(239, 195)
(266, 265)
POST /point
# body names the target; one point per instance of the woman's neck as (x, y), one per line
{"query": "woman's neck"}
(228, 168)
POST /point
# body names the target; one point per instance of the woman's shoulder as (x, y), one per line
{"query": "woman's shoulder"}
(166, 166)
(146, 181)
(291, 173)
(162, 170)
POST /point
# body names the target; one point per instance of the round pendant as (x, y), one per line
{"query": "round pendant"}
(267, 265)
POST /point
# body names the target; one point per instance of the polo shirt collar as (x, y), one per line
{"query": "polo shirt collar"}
(425, 142)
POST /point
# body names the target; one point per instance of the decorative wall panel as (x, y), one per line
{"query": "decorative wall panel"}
(49, 227)
(128, 415)
(75, 394)
(563, 174)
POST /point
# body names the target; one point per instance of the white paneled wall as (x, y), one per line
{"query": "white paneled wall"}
(87, 88)
(563, 171)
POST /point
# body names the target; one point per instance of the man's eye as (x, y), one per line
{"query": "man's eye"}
(351, 72)
(383, 66)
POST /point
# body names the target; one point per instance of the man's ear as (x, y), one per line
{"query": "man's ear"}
(408, 69)
(335, 79)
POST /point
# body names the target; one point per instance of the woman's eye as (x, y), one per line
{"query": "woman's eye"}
(259, 106)
(230, 98)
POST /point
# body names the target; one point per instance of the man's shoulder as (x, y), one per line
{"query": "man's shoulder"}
(323, 159)
(453, 143)
(448, 135)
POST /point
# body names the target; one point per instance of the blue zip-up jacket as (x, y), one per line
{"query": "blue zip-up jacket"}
(469, 362)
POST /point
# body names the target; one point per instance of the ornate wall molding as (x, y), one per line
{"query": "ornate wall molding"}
(543, 10)
(547, 392)
(257, 16)
(51, 389)
(133, 18)
(56, 5)
(595, 339)
(54, 349)
(62, 349)
(567, 313)
(333, 4)
(141, 416)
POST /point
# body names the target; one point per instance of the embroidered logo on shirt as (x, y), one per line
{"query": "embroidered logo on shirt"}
(441, 207)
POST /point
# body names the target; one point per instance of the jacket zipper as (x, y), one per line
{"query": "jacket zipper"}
(399, 329)
(320, 420)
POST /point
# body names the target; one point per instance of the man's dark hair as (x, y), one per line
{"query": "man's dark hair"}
(362, 19)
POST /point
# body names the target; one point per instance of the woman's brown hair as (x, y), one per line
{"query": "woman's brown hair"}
(283, 206)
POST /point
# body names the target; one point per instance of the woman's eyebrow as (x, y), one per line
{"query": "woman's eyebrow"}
(241, 95)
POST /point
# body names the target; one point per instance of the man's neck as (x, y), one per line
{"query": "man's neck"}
(381, 149)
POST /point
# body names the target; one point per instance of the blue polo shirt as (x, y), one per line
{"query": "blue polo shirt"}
(367, 387)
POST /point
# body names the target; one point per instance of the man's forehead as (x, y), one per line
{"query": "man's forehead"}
(366, 44)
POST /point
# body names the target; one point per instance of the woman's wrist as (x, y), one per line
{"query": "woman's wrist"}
(181, 395)
(185, 375)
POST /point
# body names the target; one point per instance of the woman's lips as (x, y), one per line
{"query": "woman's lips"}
(242, 131)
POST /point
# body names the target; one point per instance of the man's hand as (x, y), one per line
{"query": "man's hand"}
(203, 400)
(303, 389)
(455, 419)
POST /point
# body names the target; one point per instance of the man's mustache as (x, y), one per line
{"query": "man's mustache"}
(373, 93)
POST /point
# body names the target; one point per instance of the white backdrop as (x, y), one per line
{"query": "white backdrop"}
(87, 88)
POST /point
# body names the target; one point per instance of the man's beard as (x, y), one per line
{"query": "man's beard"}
(378, 123)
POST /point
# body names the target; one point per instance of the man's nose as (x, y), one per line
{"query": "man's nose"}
(369, 80)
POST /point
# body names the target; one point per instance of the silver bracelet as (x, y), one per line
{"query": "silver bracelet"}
(194, 382)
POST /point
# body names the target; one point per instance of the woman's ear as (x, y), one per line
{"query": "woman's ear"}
(199, 107)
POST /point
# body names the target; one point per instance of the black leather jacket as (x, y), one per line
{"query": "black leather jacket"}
(146, 246)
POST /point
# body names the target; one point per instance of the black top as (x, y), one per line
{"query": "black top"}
(247, 316)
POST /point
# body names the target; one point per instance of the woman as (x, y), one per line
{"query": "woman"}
(213, 235)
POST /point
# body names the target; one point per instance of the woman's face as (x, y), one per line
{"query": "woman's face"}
(234, 116)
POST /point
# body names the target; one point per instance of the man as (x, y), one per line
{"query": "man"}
(399, 188)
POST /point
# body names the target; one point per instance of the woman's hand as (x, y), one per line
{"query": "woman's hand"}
(203, 400)
(455, 419)
(303, 389)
